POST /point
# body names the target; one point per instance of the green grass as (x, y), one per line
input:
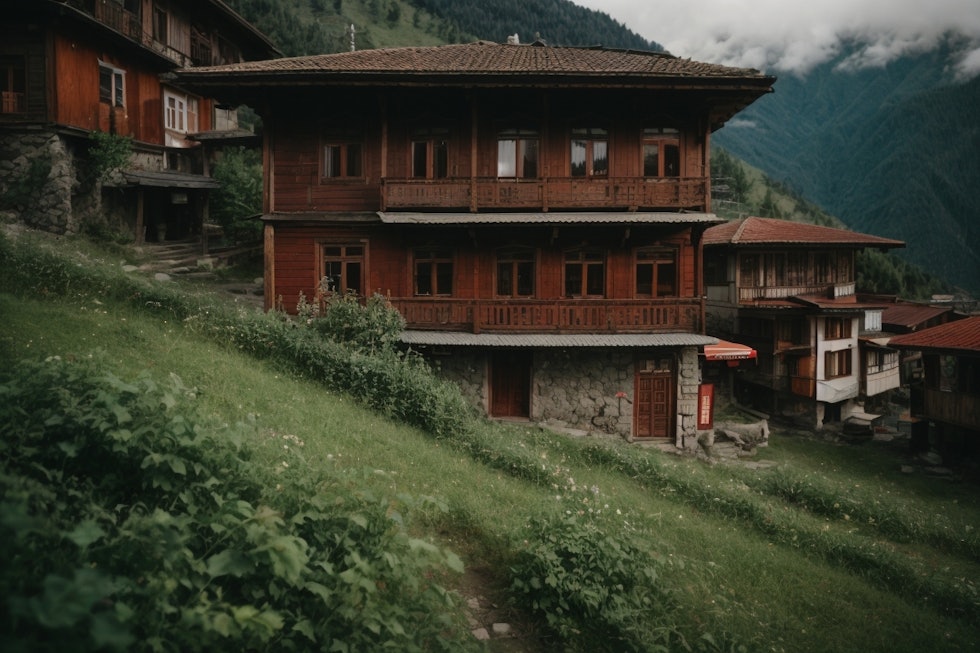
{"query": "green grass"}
(790, 558)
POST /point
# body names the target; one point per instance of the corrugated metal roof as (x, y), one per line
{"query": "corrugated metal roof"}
(911, 315)
(486, 58)
(462, 339)
(960, 335)
(759, 231)
(585, 217)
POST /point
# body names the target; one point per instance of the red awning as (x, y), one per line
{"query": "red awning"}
(728, 351)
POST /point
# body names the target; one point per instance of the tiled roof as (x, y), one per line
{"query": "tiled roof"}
(911, 315)
(487, 58)
(769, 231)
(583, 217)
(960, 335)
(463, 339)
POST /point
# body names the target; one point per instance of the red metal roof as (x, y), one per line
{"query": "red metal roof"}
(769, 231)
(911, 315)
(728, 351)
(960, 335)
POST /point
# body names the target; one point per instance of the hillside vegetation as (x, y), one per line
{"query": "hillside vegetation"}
(316, 490)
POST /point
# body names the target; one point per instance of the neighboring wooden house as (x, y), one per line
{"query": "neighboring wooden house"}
(908, 317)
(72, 67)
(788, 290)
(949, 393)
(534, 212)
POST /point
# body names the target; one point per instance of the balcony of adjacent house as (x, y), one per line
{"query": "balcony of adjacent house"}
(829, 290)
(486, 194)
(574, 315)
(122, 16)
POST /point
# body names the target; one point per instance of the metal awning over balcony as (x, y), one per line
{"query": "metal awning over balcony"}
(553, 218)
(462, 339)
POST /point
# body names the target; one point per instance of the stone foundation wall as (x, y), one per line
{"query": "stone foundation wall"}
(577, 388)
(39, 179)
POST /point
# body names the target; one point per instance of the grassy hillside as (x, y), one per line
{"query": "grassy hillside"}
(822, 548)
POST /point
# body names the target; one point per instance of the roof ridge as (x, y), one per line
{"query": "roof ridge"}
(740, 229)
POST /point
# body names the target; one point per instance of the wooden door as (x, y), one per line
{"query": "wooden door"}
(510, 384)
(654, 402)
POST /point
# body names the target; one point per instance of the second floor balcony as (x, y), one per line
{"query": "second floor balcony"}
(552, 316)
(553, 193)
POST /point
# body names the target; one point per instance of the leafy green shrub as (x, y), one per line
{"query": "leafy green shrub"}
(108, 153)
(126, 521)
(235, 204)
(371, 327)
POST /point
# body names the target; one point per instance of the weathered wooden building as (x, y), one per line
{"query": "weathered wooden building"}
(534, 212)
(948, 395)
(788, 290)
(72, 67)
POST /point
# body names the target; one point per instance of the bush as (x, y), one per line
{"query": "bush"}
(126, 521)
(235, 204)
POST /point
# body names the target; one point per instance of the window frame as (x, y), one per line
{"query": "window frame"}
(344, 258)
(513, 259)
(587, 260)
(345, 149)
(525, 141)
(671, 259)
(441, 262)
(837, 364)
(115, 94)
(837, 328)
(185, 110)
(434, 144)
(661, 138)
(594, 143)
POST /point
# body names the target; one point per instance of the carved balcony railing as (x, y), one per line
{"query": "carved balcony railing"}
(547, 194)
(750, 293)
(551, 316)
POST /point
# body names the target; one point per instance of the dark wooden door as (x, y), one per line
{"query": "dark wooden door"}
(510, 384)
(654, 404)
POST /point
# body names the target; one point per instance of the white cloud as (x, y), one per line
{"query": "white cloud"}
(794, 36)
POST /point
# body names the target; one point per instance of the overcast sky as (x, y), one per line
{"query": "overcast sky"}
(795, 35)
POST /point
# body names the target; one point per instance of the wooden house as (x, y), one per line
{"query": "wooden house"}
(788, 290)
(907, 317)
(948, 396)
(534, 212)
(72, 67)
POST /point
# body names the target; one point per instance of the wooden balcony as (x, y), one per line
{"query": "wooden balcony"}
(551, 316)
(751, 293)
(554, 193)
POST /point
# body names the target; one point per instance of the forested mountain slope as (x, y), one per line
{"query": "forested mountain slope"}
(892, 151)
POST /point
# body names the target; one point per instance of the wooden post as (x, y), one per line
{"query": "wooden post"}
(474, 159)
(140, 226)
(269, 267)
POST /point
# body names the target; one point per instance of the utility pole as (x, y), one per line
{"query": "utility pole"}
(350, 32)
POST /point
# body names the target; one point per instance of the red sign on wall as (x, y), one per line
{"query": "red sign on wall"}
(706, 406)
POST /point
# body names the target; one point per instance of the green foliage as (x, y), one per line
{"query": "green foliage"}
(373, 327)
(125, 518)
(108, 153)
(235, 205)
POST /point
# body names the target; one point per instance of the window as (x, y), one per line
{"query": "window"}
(795, 268)
(590, 152)
(837, 364)
(585, 274)
(515, 272)
(160, 21)
(343, 154)
(879, 360)
(343, 269)
(111, 85)
(179, 112)
(433, 271)
(836, 328)
(430, 154)
(661, 152)
(656, 272)
(822, 268)
(517, 153)
(13, 85)
(750, 273)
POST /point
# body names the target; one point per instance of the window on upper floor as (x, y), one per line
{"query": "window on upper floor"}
(161, 23)
(656, 272)
(836, 328)
(515, 272)
(589, 152)
(661, 152)
(585, 272)
(837, 364)
(517, 153)
(880, 360)
(430, 153)
(112, 85)
(180, 112)
(13, 85)
(342, 269)
(433, 271)
(343, 154)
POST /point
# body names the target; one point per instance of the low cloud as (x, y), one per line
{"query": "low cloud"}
(794, 37)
